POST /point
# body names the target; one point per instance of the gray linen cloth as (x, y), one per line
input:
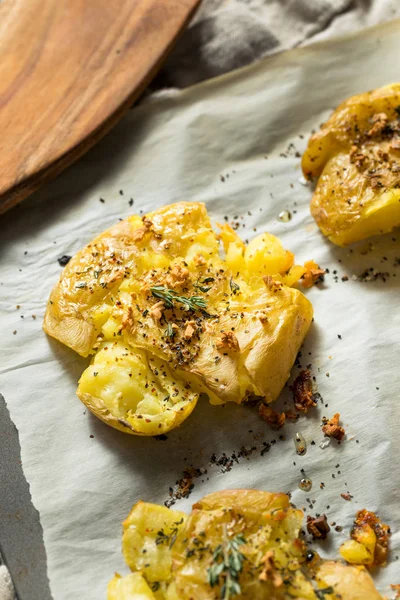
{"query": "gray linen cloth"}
(228, 34)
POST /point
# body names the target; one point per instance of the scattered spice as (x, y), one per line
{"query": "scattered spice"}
(183, 486)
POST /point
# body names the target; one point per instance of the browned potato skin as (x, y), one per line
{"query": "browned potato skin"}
(348, 202)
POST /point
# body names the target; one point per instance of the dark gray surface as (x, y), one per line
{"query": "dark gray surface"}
(21, 534)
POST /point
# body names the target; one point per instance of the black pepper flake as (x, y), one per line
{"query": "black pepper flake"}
(64, 260)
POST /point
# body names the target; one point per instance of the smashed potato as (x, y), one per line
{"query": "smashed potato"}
(167, 318)
(240, 544)
(356, 158)
(369, 541)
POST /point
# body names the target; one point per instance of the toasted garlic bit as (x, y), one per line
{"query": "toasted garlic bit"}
(228, 341)
(128, 320)
(157, 310)
(178, 277)
(190, 330)
(139, 234)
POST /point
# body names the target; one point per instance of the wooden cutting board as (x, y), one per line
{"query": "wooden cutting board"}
(69, 70)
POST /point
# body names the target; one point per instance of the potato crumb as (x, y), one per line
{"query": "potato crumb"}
(331, 427)
(303, 395)
(274, 419)
(347, 497)
(314, 274)
(396, 588)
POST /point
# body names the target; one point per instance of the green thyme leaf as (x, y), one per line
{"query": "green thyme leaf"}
(321, 594)
(235, 289)
(202, 288)
(170, 331)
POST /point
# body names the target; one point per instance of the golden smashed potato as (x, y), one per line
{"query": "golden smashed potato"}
(240, 544)
(356, 158)
(369, 541)
(167, 318)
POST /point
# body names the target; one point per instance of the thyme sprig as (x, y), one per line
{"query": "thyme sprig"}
(170, 296)
(227, 565)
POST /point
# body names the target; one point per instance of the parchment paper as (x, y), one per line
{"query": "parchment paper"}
(226, 143)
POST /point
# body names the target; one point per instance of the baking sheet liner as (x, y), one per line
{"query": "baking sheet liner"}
(232, 143)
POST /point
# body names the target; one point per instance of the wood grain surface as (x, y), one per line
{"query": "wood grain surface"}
(69, 70)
